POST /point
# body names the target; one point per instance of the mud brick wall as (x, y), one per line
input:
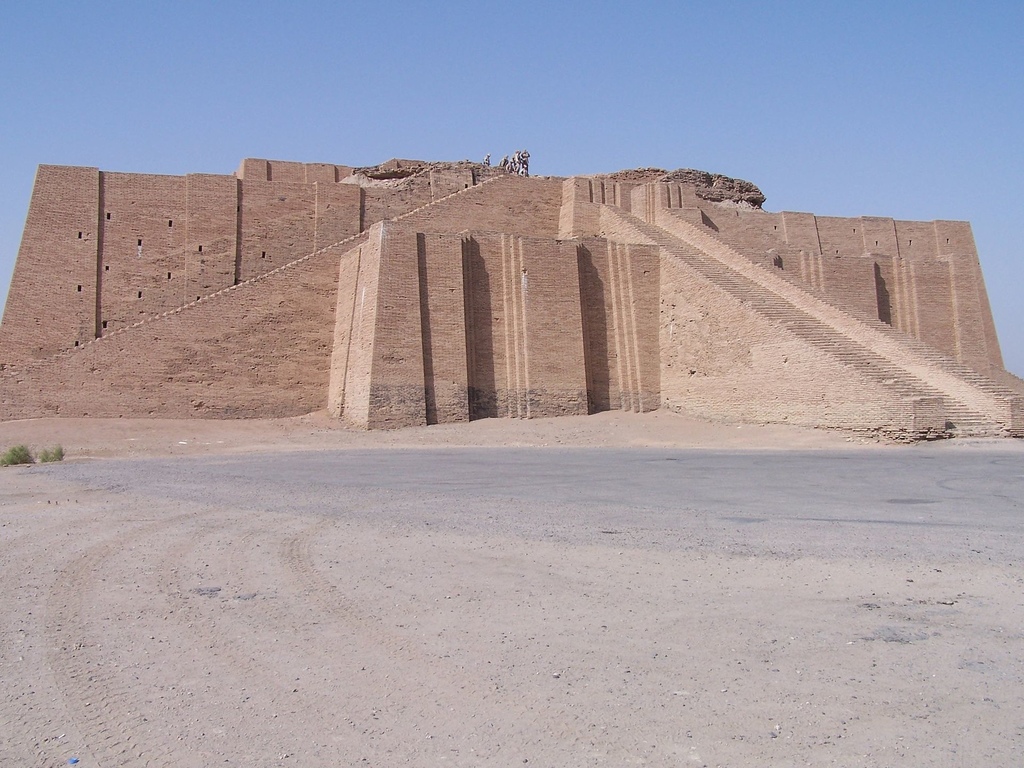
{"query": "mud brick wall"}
(137, 279)
(283, 221)
(436, 328)
(524, 327)
(620, 290)
(443, 327)
(211, 219)
(520, 297)
(260, 349)
(51, 303)
(975, 329)
(519, 206)
(354, 329)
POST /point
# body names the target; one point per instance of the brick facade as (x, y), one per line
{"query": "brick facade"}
(458, 293)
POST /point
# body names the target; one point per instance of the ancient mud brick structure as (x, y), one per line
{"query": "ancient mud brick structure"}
(421, 293)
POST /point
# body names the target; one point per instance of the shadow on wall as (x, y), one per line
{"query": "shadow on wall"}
(595, 333)
(483, 396)
(882, 296)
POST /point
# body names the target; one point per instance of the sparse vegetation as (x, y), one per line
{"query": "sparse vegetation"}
(16, 454)
(52, 454)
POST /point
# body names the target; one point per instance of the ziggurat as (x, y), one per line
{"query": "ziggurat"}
(418, 293)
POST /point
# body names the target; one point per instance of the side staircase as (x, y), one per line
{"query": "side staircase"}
(974, 404)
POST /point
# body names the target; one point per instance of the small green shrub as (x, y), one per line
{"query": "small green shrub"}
(17, 454)
(52, 454)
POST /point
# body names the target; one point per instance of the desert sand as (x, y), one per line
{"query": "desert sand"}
(607, 590)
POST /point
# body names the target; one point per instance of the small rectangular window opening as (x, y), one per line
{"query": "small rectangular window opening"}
(106, 268)
(80, 236)
(140, 241)
(140, 294)
(200, 249)
(263, 255)
(876, 242)
(108, 215)
(76, 343)
(168, 275)
(170, 222)
(79, 289)
(104, 323)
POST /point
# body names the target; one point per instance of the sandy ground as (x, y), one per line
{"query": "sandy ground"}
(283, 594)
(104, 438)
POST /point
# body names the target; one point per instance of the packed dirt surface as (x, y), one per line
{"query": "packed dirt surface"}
(612, 590)
(95, 438)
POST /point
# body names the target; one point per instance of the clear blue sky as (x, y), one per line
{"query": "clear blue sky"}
(913, 110)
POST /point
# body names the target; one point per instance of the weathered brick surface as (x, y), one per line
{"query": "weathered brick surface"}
(443, 327)
(720, 360)
(621, 286)
(45, 311)
(352, 348)
(471, 294)
(258, 350)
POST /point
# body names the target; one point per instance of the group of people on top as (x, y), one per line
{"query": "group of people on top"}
(518, 164)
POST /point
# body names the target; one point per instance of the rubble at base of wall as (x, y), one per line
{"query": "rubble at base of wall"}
(1015, 427)
(928, 419)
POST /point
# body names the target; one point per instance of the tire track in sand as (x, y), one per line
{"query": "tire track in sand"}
(110, 717)
(38, 725)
